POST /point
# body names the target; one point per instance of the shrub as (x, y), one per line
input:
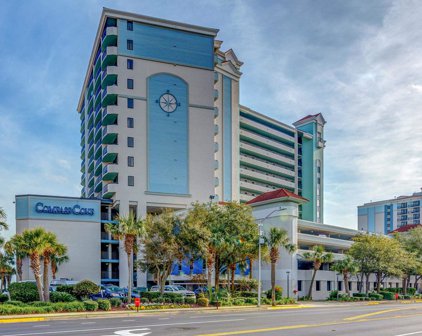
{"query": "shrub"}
(375, 296)
(104, 304)
(69, 306)
(266, 301)
(411, 291)
(179, 300)
(278, 293)
(407, 297)
(333, 295)
(203, 302)
(40, 304)
(66, 289)
(24, 291)
(144, 300)
(359, 295)
(15, 303)
(3, 298)
(61, 297)
(388, 295)
(238, 302)
(90, 305)
(85, 288)
(157, 300)
(151, 295)
(190, 300)
(173, 297)
(247, 294)
(251, 301)
(115, 302)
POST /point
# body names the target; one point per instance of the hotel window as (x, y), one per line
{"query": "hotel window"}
(130, 103)
(130, 25)
(130, 83)
(130, 142)
(130, 181)
(299, 285)
(328, 285)
(350, 285)
(318, 285)
(130, 64)
(130, 123)
(130, 161)
(129, 44)
(339, 285)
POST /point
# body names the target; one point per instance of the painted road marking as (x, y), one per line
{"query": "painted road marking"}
(358, 317)
(128, 332)
(114, 328)
(23, 319)
(128, 320)
(303, 326)
(412, 333)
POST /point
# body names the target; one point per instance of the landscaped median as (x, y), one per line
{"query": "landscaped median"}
(388, 294)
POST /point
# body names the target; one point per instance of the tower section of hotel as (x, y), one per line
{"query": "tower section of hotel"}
(147, 115)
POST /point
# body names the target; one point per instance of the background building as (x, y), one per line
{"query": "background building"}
(389, 215)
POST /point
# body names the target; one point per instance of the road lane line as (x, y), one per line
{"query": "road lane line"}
(128, 321)
(412, 333)
(117, 328)
(358, 317)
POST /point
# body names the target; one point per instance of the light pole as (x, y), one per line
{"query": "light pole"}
(260, 242)
(288, 284)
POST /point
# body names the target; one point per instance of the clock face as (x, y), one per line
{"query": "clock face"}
(168, 102)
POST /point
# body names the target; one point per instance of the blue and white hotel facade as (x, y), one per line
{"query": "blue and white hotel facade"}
(162, 127)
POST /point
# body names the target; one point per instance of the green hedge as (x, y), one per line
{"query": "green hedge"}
(61, 297)
(66, 289)
(3, 298)
(410, 291)
(388, 295)
(247, 294)
(85, 288)
(151, 295)
(40, 308)
(115, 302)
(23, 291)
(104, 304)
(203, 302)
(359, 295)
(90, 305)
(190, 300)
(375, 296)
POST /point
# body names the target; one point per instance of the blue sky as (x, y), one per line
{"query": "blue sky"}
(359, 63)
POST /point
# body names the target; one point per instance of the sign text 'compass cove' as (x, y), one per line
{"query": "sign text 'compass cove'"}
(76, 209)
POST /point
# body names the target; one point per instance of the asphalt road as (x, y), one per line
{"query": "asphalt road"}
(327, 319)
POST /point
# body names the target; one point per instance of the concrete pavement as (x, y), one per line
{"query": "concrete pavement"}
(329, 319)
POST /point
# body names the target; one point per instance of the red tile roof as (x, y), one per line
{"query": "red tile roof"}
(279, 193)
(309, 116)
(406, 228)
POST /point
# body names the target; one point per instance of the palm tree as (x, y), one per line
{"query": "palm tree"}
(347, 267)
(275, 239)
(57, 260)
(33, 244)
(128, 229)
(15, 247)
(3, 224)
(51, 247)
(318, 256)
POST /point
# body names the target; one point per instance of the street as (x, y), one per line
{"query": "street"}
(324, 319)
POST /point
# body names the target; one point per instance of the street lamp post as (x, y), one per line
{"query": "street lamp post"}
(288, 284)
(260, 242)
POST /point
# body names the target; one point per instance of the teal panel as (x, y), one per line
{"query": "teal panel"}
(167, 45)
(167, 136)
(57, 208)
(362, 211)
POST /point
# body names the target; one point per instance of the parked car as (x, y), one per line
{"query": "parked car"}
(174, 289)
(114, 291)
(59, 282)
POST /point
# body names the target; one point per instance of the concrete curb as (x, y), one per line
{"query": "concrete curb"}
(133, 313)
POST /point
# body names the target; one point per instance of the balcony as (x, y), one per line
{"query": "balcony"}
(91, 165)
(98, 186)
(109, 76)
(254, 187)
(216, 94)
(109, 190)
(109, 115)
(91, 182)
(109, 95)
(266, 166)
(109, 37)
(110, 134)
(259, 128)
(83, 166)
(265, 142)
(215, 76)
(278, 182)
(110, 153)
(215, 112)
(266, 154)
(110, 172)
(109, 57)
(246, 198)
